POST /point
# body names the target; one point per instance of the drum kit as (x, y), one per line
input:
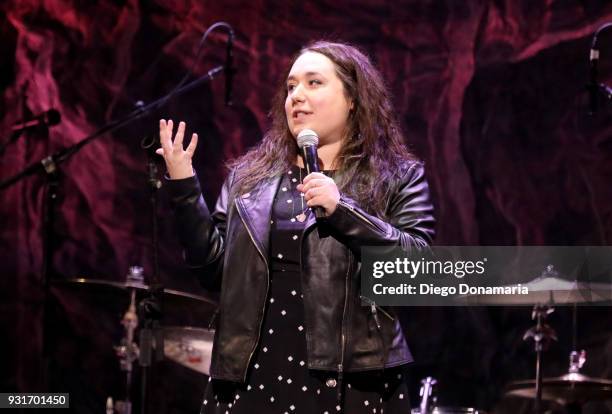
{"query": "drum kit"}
(188, 346)
(191, 347)
(569, 391)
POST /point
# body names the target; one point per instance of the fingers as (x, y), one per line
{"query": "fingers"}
(314, 175)
(316, 202)
(178, 139)
(318, 197)
(313, 190)
(313, 183)
(169, 129)
(313, 193)
(168, 146)
(192, 145)
(164, 136)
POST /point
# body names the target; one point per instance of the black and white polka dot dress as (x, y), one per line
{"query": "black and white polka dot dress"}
(278, 380)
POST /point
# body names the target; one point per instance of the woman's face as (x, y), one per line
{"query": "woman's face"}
(316, 98)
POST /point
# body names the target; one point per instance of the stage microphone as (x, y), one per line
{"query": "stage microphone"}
(307, 141)
(593, 87)
(47, 118)
(228, 69)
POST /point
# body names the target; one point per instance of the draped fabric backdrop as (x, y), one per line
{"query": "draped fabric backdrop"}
(490, 95)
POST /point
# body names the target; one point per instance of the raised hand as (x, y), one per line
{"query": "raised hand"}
(178, 160)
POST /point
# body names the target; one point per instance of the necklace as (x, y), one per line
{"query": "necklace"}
(301, 216)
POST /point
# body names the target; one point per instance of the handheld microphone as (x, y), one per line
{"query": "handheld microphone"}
(228, 69)
(307, 141)
(47, 118)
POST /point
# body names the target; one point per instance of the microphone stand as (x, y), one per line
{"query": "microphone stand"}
(63, 155)
(48, 236)
(50, 188)
(50, 166)
(595, 88)
(14, 136)
(151, 305)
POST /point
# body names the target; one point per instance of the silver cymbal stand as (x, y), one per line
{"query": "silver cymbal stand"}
(128, 351)
(426, 394)
(541, 334)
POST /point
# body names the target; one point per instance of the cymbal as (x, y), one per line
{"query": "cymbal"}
(188, 346)
(141, 287)
(569, 388)
(550, 290)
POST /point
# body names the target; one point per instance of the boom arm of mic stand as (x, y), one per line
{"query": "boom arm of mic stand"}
(14, 136)
(64, 154)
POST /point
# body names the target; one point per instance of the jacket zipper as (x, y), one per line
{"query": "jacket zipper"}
(374, 307)
(213, 319)
(340, 366)
(343, 335)
(267, 291)
(358, 214)
(301, 242)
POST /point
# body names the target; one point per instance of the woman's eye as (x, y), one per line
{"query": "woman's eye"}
(314, 82)
(290, 87)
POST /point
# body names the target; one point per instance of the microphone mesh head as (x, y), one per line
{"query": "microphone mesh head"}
(307, 137)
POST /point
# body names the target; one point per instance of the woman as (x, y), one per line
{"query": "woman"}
(292, 334)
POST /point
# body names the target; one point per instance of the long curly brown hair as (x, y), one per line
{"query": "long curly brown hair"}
(373, 151)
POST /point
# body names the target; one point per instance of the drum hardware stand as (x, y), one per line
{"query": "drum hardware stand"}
(149, 311)
(128, 351)
(541, 334)
(426, 393)
(576, 361)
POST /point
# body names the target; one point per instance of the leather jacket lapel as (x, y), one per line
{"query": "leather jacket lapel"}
(255, 210)
(310, 221)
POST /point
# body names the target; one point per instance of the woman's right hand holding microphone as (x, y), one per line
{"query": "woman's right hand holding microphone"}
(178, 160)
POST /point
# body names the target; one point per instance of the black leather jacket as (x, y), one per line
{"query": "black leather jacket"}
(229, 251)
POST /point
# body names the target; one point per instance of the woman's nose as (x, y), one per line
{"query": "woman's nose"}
(297, 94)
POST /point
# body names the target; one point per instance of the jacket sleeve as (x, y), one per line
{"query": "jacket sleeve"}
(410, 221)
(201, 233)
